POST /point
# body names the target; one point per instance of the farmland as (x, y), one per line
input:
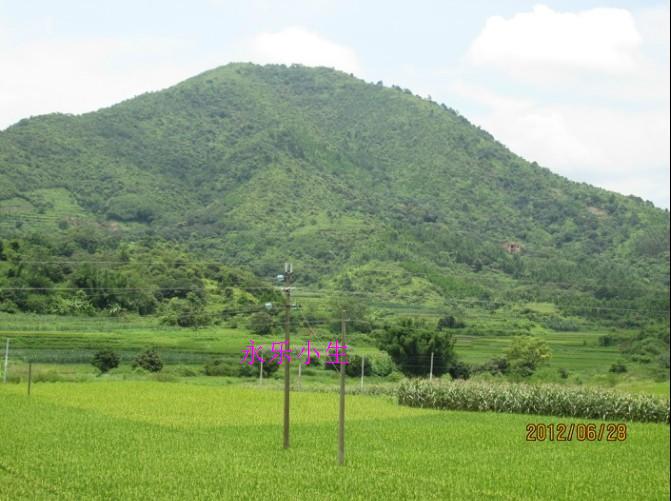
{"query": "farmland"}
(134, 440)
(62, 347)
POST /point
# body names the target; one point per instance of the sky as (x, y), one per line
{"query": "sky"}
(581, 87)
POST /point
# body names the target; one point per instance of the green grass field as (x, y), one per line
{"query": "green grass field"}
(148, 440)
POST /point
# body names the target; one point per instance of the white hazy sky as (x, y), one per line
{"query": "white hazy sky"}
(581, 87)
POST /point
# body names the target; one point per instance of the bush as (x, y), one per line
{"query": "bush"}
(150, 361)
(546, 400)
(618, 368)
(246, 370)
(233, 368)
(353, 368)
(449, 322)
(105, 360)
(382, 365)
(219, 367)
(269, 368)
(459, 370)
(495, 366)
(182, 371)
(261, 323)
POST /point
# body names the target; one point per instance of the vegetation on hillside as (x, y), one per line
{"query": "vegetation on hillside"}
(174, 203)
(254, 164)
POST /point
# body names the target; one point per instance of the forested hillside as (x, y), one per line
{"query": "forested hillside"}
(367, 189)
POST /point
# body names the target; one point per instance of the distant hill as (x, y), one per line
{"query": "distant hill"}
(367, 189)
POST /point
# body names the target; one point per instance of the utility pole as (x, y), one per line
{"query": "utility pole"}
(261, 370)
(431, 368)
(341, 420)
(4, 372)
(288, 271)
(298, 381)
(363, 364)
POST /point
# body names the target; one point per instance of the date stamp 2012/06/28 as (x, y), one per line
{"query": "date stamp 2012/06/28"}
(582, 432)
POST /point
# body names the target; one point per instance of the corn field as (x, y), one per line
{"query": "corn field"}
(548, 400)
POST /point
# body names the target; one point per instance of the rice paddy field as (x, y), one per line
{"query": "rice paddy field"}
(152, 440)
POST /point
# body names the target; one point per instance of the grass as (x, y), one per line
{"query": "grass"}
(136, 440)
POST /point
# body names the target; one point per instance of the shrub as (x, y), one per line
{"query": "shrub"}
(105, 360)
(261, 323)
(449, 322)
(459, 370)
(183, 371)
(233, 368)
(618, 368)
(150, 361)
(547, 400)
(246, 370)
(495, 366)
(353, 368)
(219, 367)
(382, 365)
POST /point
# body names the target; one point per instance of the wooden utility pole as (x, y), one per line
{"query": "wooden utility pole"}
(288, 270)
(4, 372)
(341, 419)
(298, 381)
(261, 369)
(431, 368)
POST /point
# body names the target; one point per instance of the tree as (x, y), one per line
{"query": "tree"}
(189, 312)
(150, 361)
(449, 322)
(261, 323)
(410, 344)
(105, 360)
(526, 353)
(356, 312)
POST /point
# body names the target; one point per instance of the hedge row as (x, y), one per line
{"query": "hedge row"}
(547, 400)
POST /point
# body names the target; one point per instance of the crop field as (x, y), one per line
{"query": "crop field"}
(62, 348)
(150, 440)
(576, 350)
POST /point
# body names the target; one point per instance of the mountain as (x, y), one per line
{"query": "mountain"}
(367, 189)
